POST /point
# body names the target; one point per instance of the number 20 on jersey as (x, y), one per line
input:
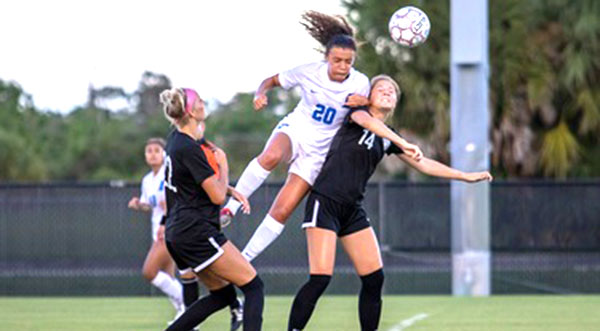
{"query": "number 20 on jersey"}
(324, 114)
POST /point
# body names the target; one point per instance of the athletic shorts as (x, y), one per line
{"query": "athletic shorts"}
(308, 156)
(324, 213)
(196, 255)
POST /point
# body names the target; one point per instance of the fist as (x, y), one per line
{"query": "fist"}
(260, 101)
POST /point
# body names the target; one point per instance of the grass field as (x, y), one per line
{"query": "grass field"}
(545, 313)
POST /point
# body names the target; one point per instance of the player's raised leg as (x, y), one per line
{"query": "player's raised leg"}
(278, 149)
(288, 198)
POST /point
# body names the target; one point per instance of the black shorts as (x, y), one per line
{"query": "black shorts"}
(196, 255)
(325, 213)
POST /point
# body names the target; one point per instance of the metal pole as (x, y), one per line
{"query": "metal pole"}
(469, 145)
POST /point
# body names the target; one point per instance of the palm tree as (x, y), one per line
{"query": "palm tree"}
(544, 85)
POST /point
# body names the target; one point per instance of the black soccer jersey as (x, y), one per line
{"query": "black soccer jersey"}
(350, 162)
(189, 209)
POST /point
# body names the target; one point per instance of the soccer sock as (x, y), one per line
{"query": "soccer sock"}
(306, 300)
(254, 303)
(235, 303)
(250, 180)
(170, 286)
(203, 308)
(190, 291)
(369, 300)
(264, 235)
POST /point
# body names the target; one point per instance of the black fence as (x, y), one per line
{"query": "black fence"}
(80, 239)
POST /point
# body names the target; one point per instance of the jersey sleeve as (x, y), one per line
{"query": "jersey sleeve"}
(293, 77)
(197, 164)
(391, 148)
(348, 118)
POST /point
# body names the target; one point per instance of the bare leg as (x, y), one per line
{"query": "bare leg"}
(321, 258)
(364, 252)
(288, 198)
(158, 270)
(279, 149)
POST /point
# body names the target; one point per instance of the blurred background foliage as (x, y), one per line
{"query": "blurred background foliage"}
(544, 101)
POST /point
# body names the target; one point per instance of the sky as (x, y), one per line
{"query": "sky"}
(56, 49)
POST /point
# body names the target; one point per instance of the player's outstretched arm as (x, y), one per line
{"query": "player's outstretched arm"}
(434, 168)
(364, 119)
(260, 98)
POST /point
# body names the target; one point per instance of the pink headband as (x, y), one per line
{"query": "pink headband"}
(190, 98)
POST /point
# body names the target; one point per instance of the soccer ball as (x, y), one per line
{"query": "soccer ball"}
(409, 26)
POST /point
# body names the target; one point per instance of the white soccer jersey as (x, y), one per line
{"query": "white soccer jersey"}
(153, 193)
(318, 116)
(321, 106)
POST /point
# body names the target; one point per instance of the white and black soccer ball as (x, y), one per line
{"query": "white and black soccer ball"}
(409, 26)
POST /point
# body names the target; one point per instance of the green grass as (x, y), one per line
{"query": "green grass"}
(545, 313)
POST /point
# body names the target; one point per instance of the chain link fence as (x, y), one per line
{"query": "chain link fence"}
(81, 239)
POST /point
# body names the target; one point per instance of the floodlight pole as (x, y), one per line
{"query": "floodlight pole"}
(469, 146)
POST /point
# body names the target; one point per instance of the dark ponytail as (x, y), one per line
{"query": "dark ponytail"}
(329, 31)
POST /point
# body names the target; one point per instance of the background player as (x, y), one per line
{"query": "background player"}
(302, 138)
(193, 236)
(334, 207)
(158, 268)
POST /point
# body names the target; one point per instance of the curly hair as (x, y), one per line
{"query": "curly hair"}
(329, 31)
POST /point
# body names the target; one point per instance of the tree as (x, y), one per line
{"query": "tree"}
(544, 85)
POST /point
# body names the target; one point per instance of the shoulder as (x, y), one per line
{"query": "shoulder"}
(147, 177)
(307, 68)
(360, 79)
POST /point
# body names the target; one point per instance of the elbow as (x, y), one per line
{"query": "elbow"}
(219, 200)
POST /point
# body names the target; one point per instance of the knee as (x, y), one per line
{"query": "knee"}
(149, 273)
(281, 213)
(254, 286)
(269, 159)
(373, 282)
(319, 282)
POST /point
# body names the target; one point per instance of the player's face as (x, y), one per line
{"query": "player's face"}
(383, 95)
(200, 116)
(340, 62)
(154, 154)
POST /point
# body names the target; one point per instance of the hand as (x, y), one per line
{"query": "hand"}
(355, 100)
(241, 198)
(210, 145)
(134, 203)
(220, 155)
(474, 177)
(160, 234)
(413, 151)
(260, 101)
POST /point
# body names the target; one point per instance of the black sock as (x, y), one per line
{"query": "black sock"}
(305, 301)
(190, 291)
(254, 303)
(369, 302)
(203, 308)
(235, 304)
(230, 296)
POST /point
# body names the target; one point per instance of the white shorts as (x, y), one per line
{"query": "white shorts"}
(308, 155)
